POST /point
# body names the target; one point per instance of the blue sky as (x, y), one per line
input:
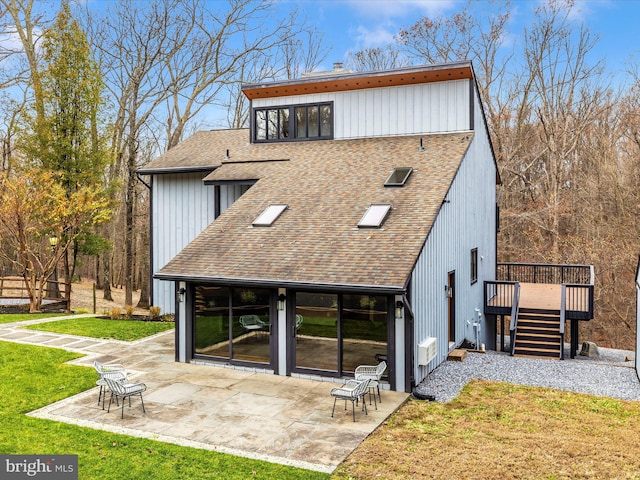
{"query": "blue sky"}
(356, 24)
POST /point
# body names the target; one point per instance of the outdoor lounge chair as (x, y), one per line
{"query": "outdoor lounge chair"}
(114, 371)
(252, 322)
(124, 390)
(373, 373)
(353, 391)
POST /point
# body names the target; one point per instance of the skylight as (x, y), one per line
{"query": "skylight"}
(270, 215)
(398, 177)
(374, 216)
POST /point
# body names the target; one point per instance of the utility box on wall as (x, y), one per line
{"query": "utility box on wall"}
(427, 350)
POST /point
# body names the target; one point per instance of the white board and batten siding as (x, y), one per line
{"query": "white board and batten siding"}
(183, 206)
(466, 221)
(388, 111)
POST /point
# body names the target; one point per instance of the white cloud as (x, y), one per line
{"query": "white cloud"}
(401, 8)
(374, 37)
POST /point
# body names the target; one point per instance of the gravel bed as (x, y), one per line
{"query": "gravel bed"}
(609, 376)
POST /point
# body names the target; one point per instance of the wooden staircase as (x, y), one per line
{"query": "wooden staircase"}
(538, 334)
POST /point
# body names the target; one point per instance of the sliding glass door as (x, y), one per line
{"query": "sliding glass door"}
(233, 324)
(334, 333)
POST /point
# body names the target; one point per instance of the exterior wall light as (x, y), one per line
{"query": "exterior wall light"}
(181, 293)
(282, 301)
(399, 309)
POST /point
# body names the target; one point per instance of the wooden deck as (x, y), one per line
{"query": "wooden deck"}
(543, 296)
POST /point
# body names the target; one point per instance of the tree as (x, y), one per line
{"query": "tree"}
(34, 205)
(65, 138)
(377, 58)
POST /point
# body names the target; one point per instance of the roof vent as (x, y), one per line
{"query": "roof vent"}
(337, 65)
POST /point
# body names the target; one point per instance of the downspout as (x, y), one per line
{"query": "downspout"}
(410, 378)
(150, 187)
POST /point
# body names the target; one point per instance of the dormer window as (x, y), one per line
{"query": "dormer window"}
(295, 122)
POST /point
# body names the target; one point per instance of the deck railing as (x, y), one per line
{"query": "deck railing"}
(542, 273)
(515, 307)
(14, 288)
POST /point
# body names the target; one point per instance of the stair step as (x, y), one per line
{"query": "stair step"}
(540, 345)
(538, 331)
(540, 352)
(555, 340)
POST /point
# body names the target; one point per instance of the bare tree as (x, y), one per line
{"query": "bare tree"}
(378, 58)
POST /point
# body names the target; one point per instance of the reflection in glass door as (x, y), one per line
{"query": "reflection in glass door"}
(316, 331)
(364, 330)
(334, 333)
(232, 324)
(250, 325)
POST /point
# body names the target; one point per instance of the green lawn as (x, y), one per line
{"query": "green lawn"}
(18, 317)
(126, 330)
(37, 376)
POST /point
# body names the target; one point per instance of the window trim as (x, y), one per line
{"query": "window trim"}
(292, 123)
(474, 265)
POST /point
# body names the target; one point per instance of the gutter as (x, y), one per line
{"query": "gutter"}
(272, 283)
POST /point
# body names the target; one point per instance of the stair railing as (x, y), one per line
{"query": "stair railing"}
(515, 307)
(563, 310)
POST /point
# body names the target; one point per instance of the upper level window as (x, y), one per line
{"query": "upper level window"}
(295, 122)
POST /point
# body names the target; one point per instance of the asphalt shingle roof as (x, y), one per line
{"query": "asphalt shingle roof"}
(327, 186)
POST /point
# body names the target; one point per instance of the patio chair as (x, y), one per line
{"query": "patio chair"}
(373, 373)
(299, 320)
(114, 371)
(252, 323)
(353, 391)
(124, 390)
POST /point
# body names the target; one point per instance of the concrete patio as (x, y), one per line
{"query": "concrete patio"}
(279, 419)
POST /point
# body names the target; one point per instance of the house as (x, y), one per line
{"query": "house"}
(354, 221)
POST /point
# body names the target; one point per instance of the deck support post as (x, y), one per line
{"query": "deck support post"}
(574, 337)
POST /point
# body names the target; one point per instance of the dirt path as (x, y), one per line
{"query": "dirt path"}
(82, 297)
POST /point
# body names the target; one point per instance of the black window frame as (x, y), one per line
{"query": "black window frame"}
(292, 134)
(474, 265)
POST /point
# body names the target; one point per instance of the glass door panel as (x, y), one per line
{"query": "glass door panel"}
(211, 329)
(364, 330)
(316, 331)
(250, 325)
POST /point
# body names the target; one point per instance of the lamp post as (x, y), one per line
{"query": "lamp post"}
(53, 242)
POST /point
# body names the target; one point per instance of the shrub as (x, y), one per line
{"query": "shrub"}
(128, 311)
(82, 310)
(168, 317)
(154, 312)
(115, 313)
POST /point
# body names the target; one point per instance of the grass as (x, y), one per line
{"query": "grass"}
(211, 330)
(19, 317)
(497, 430)
(126, 330)
(37, 376)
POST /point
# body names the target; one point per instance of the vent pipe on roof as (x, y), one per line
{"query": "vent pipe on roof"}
(421, 148)
(227, 157)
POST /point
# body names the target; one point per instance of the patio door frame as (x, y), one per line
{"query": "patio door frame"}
(273, 329)
(292, 343)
